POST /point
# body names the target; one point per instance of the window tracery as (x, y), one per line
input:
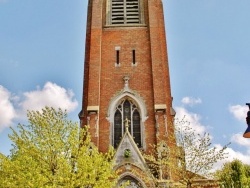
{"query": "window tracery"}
(127, 109)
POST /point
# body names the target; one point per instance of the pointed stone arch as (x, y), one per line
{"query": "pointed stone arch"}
(127, 95)
(134, 181)
(134, 167)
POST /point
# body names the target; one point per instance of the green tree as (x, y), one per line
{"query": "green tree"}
(188, 157)
(195, 153)
(234, 174)
(52, 152)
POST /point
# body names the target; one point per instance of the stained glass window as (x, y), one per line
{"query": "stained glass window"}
(127, 109)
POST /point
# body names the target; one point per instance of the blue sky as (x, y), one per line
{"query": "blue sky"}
(42, 55)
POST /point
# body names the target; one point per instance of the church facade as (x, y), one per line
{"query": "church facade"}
(127, 99)
(126, 76)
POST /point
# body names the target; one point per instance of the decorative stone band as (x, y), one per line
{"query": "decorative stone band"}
(93, 109)
(160, 107)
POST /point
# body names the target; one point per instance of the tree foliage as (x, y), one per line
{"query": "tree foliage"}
(52, 152)
(158, 161)
(189, 155)
(197, 155)
(234, 174)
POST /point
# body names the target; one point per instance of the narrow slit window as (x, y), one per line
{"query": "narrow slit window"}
(133, 53)
(117, 57)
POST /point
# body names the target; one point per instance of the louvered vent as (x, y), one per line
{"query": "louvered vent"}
(132, 12)
(117, 12)
(125, 12)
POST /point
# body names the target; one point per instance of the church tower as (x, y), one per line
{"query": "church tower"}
(127, 98)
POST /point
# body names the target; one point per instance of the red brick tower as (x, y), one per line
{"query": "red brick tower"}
(126, 75)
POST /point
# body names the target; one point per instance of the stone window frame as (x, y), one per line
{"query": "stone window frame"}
(131, 182)
(109, 15)
(127, 93)
(134, 109)
(141, 108)
(131, 177)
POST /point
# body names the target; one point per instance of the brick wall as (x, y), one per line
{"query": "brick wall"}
(149, 78)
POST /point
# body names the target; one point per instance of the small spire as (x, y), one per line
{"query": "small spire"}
(126, 124)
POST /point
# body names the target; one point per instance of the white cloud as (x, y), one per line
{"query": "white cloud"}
(239, 112)
(240, 140)
(237, 155)
(7, 112)
(191, 101)
(192, 118)
(231, 155)
(237, 139)
(50, 95)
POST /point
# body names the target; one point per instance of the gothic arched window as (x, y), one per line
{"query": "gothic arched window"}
(130, 182)
(127, 109)
(120, 12)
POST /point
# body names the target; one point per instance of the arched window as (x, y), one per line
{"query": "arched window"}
(130, 182)
(127, 109)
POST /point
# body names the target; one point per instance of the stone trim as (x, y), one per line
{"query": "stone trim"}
(93, 109)
(160, 107)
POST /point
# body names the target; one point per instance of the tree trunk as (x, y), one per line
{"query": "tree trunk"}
(189, 184)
